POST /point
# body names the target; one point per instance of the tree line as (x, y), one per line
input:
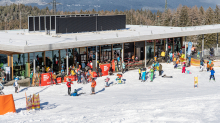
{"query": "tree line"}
(15, 16)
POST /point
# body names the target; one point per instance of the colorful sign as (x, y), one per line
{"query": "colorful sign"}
(46, 79)
(105, 68)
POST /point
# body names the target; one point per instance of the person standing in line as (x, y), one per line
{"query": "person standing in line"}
(31, 76)
(93, 86)
(55, 78)
(160, 70)
(123, 67)
(16, 85)
(68, 85)
(184, 68)
(212, 75)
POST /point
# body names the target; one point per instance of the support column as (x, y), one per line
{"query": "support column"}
(173, 45)
(185, 47)
(145, 55)
(50, 23)
(154, 47)
(28, 24)
(67, 62)
(96, 53)
(59, 61)
(134, 51)
(217, 45)
(28, 58)
(34, 66)
(34, 23)
(100, 53)
(122, 50)
(12, 72)
(39, 23)
(112, 52)
(202, 45)
(166, 44)
(55, 24)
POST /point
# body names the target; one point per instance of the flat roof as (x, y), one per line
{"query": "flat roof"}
(20, 41)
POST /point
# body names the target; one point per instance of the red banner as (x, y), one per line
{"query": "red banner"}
(72, 78)
(105, 68)
(46, 79)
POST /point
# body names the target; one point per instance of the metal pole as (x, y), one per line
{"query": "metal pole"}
(34, 23)
(67, 62)
(96, 23)
(122, 52)
(145, 54)
(55, 24)
(166, 44)
(34, 62)
(96, 56)
(217, 44)
(45, 24)
(39, 23)
(202, 45)
(185, 47)
(50, 23)
(28, 24)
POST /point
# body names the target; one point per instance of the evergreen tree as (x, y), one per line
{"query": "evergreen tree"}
(183, 20)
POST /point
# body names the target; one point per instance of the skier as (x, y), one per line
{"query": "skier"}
(123, 67)
(171, 55)
(184, 68)
(160, 70)
(74, 93)
(106, 82)
(139, 71)
(208, 66)
(143, 75)
(16, 86)
(212, 75)
(118, 79)
(31, 76)
(152, 74)
(1, 88)
(68, 85)
(93, 86)
(84, 80)
(79, 76)
(54, 76)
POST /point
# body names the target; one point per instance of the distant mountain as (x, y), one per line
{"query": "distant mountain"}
(153, 5)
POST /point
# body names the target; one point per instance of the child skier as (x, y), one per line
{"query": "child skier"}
(16, 86)
(93, 86)
(184, 68)
(118, 79)
(1, 88)
(143, 75)
(69, 86)
(79, 76)
(106, 82)
(139, 71)
(152, 74)
(212, 75)
(74, 93)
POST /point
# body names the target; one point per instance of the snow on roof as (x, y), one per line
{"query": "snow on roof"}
(23, 41)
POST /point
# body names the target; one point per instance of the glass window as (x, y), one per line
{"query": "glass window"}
(55, 61)
(19, 65)
(177, 44)
(91, 53)
(49, 60)
(39, 61)
(129, 51)
(106, 53)
(76, 55)
(70, 57)
(170, 45)
(139, 50)
(117, 50)
(82, 55)
(63, 54)
(159, 47)
(150, 49)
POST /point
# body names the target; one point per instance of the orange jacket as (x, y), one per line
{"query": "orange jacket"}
(207, 65)
(93, 84)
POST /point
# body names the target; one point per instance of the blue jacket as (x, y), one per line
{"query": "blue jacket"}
(210, 61)
(143, 75)
(83, 65)
(180, 51)
(118, 59)
(212, 72)
(123, 65)
(171, 55)
(190, 58)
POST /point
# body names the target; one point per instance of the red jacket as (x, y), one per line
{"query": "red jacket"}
(68, 84)
(93, 83)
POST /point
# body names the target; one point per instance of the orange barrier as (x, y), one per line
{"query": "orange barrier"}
(7, 104)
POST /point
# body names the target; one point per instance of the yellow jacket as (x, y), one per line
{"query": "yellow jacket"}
(73, 73)
(162, 54)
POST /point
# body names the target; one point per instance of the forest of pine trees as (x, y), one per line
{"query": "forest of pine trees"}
(181, 17)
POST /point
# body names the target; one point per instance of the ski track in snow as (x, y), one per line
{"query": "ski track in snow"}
(163, 100)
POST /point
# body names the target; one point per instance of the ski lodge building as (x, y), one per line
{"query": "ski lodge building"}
(58, 41)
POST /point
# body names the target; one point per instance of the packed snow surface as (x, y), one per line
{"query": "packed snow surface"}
(163, 100)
